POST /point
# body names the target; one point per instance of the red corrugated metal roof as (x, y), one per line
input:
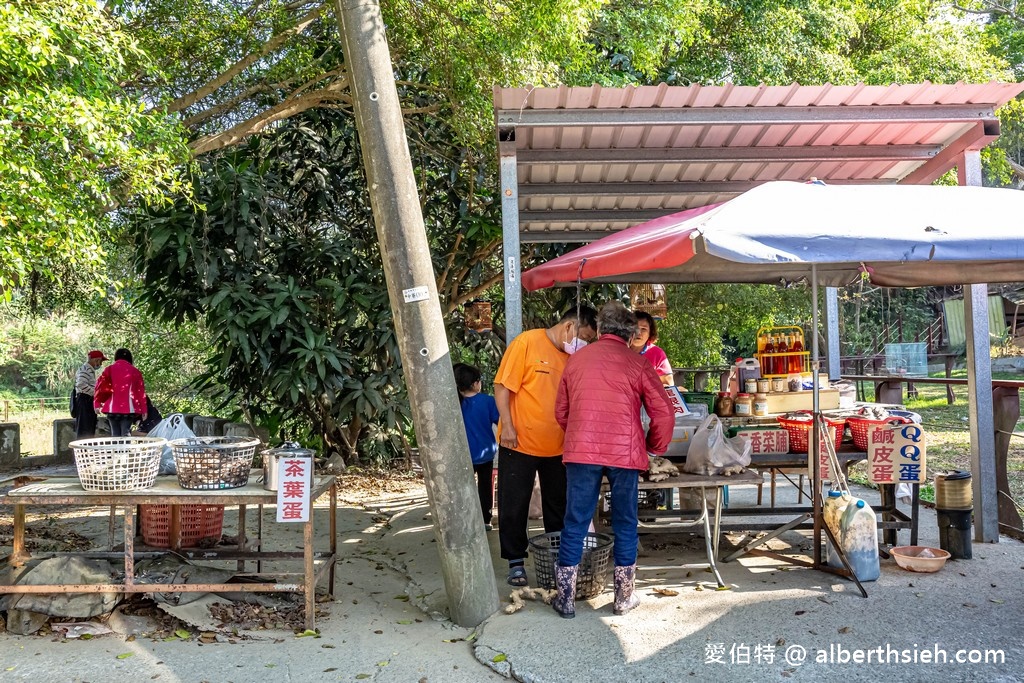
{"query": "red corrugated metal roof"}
(591, 160)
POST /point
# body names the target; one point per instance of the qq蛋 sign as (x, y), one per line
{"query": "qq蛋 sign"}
(896, 454)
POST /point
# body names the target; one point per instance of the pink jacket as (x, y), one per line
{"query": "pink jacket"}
(598, 406)
(120, 390)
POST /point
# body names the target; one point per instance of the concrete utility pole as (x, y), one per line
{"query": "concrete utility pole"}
(444, 451)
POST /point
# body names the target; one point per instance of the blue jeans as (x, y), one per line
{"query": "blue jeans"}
(120, 423)
(582, 492)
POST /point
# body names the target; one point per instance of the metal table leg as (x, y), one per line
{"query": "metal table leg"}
(710, 545)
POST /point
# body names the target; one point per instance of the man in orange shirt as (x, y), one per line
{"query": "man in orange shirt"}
(529, 437)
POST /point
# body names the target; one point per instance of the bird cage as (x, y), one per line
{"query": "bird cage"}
(649, 299)
(478, 316)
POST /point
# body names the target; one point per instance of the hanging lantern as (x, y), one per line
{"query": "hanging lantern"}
(478, 316)
(649, 299)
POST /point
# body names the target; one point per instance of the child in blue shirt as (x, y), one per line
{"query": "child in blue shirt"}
(480, 413)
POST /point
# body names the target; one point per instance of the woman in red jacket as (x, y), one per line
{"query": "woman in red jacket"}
(121, 394)
(598, 406)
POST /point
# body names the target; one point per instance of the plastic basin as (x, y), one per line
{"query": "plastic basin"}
(909, 557)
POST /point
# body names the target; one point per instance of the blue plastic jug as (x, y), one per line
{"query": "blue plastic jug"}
(858, 536)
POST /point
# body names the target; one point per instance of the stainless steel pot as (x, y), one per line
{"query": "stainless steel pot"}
(271, 457)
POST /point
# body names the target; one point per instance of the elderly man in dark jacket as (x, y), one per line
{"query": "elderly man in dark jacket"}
(598, 406)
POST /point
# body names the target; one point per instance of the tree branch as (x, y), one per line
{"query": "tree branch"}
(279, 112)
(453, 304)
(186, 101)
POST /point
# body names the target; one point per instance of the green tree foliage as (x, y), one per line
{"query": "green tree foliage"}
(282, 266)
(72, 145)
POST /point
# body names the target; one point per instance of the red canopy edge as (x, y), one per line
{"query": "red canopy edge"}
(631, 249)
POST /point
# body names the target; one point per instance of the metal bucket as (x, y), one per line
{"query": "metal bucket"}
(273, 455)
(953, 491)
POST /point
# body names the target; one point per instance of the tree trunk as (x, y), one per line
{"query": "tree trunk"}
(412, 286)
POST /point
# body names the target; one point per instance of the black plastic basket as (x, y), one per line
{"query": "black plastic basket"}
(594, 566)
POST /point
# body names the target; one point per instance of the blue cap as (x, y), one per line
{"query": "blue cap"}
(834, 494)
(860, 504)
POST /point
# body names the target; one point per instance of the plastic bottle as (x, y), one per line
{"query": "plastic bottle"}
(832, 511)
(858, 535)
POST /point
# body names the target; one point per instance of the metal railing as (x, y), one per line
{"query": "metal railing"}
(27, 406)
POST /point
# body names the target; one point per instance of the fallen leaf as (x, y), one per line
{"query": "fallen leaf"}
(698, 587)
(800, 612)
(845, 629)
(405, 622)
(360, 677)
(308, 632)
(384, 663)
(499, 658)
(724, 588)
(920, 595)
(86, 636)
(998, 602)
(330, 669)
(183, 634)
(125, 655)
(270, 666)
(327, 646)
(130, 639)
(969, 604)
(379, 632)
(404, 598)
(825, 600)
(668, 592)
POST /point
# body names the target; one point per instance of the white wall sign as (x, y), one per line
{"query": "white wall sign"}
(294, 481)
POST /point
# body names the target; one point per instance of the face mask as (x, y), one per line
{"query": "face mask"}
(574, 345)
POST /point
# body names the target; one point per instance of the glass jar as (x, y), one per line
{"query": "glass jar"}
(723, 406)
(743, 406)
(764, 385)
(760, 404)
(778, 385)
(750, 386)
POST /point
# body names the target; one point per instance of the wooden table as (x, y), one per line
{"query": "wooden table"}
(675, 520)
(68, 491)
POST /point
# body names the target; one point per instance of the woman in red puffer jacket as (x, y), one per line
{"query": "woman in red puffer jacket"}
(598, 405)
(121, 394)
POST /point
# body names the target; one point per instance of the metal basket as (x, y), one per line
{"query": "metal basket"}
(594, 566)
(126, 463)
(213, 462)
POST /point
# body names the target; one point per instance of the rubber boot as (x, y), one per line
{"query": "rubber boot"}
(565, 581)
(625, 599)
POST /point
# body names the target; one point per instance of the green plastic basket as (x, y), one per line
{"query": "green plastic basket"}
(705, 397)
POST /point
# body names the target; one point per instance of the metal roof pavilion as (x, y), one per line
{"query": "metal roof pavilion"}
(583, 162)
(577, 164)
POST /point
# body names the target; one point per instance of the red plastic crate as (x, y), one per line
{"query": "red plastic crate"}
(799, 431)
(861, 427)
(198, 522)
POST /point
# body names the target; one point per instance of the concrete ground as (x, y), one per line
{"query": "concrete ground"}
(387, 621)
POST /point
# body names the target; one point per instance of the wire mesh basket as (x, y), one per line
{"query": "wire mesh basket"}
(214, 462)
(124, 463)
(594, 566)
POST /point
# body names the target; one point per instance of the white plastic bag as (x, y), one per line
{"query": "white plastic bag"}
(711, 452)
(171, 427)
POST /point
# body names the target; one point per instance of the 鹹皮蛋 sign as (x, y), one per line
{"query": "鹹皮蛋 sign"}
(295, 478)
(896, 454)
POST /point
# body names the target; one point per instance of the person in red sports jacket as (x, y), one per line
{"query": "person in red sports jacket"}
(598, 405)
(121, 394)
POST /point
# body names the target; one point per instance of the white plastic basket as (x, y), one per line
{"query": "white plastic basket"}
(126, 463)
